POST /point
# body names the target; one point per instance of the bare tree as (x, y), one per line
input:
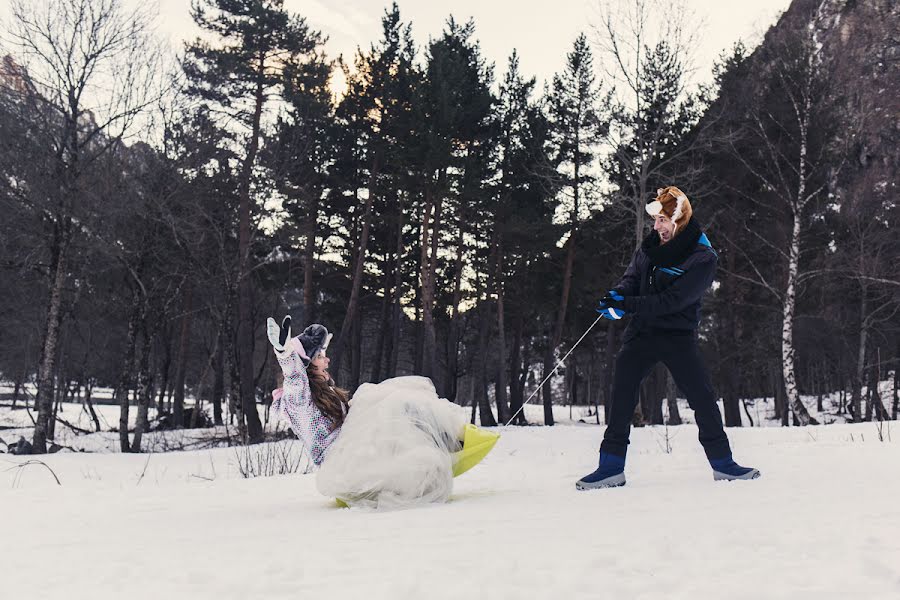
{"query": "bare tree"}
(790, 157)
(645, 50)
(90, 69)
(868, 256)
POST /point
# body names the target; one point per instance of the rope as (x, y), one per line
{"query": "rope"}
(556, 368)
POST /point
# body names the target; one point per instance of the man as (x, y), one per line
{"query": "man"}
(662, 291)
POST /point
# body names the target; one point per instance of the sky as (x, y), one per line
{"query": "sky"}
(542, 32)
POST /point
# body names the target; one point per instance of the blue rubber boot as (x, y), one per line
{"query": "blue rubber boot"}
(610, 473)
(725, 469)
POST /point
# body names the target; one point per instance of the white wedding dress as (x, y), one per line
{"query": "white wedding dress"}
(394, 448)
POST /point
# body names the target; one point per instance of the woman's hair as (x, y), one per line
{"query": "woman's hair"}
(332, 401)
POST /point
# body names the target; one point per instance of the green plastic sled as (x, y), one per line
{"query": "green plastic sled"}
(476, 445)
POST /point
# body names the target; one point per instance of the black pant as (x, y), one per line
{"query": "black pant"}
(681, 355)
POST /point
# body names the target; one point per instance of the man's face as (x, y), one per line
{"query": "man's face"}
(664, 226)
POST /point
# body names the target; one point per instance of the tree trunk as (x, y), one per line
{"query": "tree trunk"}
(549, 367)
(781, 408)
(165, 368)
(202, 386)
(356, 353)
(17, 387)
(672, 400)
(609, 370)
(144, 391)
(878, 409)
(125, 376)
(656, 394)
(418, 350)
(219, 377)
(181, 366)
(309, 258)
(821, 381)
(517, 395)
(569, 383)
(454, 327)
(484, 406)
(44, 399)
(379, 359)
(859, 375)
(556, 337)
(250, 416)
(393, 351)
(592, 394)
(502, 410)
(429, 250)
(787, 331)
(89, 404)
(896, 387)
(358, 272)
(731, 403)
(59, 389)
(747, 412)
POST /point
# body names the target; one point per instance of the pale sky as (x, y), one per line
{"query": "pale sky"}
(542, 32)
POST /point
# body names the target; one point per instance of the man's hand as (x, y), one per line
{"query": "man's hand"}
(613, 299)
(611, 306)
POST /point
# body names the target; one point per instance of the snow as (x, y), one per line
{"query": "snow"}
(822, 522)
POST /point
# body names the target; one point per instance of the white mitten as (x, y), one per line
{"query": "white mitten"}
(278, 336)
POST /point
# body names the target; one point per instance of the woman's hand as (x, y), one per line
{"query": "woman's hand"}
(278, 336)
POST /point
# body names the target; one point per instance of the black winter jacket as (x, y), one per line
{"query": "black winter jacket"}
(664, 284)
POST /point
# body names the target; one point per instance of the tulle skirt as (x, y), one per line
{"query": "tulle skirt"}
(395, 446)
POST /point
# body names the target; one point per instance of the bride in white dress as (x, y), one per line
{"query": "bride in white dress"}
(392, 445)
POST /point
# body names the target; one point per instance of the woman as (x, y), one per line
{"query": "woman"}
(662, 291)
(391, 446)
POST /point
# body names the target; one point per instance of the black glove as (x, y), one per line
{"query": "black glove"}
(285, 330)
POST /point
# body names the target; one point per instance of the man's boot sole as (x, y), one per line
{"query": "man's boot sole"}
(753, 474)
(609, 482)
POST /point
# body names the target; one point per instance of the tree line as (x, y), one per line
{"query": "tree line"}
(439, 218)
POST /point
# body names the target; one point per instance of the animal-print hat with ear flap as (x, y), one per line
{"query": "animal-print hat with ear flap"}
(673, 203)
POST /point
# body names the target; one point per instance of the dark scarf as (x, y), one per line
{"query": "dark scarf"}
(675, 250)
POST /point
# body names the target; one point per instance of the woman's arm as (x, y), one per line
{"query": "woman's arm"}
(312, 427)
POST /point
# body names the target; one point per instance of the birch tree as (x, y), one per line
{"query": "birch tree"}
(90, 68)
(789, 154)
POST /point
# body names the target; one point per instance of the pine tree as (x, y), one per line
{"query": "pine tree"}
(522, 223)
(454, 110)
(378, 104)
(577, 125)
(238, 74)
(299, 156)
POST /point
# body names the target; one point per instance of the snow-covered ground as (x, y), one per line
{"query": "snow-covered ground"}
(823, 522)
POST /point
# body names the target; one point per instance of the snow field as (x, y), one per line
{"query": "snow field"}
(823, 522)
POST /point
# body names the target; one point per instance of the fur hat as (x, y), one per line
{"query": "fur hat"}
(671, 202)
(312, 341)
